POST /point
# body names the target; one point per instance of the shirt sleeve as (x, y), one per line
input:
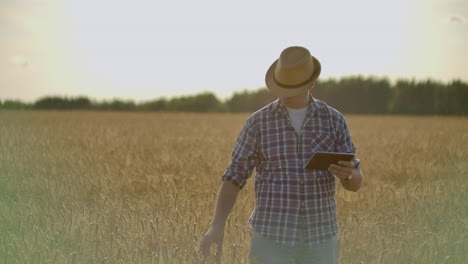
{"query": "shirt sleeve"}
(344, 142)
(243, 157)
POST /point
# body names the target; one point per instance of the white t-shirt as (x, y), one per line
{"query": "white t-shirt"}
(297, 117)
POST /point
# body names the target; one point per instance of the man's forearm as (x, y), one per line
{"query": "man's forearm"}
(355, 183)
(227, 196)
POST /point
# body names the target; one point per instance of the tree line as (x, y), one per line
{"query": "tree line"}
(356, 95)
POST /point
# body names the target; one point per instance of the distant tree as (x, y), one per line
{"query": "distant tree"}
(121, 105)
(456, 102)
(249, 101)
(155, 105)
(376, 97)
(241, 102)
(356, 94)
(115, 105)
(412, 97)
(80, 103)
(52, 103)
(207, 102)
(14, 105)
(327, 91)
(62, 103)
(349, 95)
(203, 102)
(263, 97)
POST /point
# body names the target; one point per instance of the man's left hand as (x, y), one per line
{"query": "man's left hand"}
(343, 171)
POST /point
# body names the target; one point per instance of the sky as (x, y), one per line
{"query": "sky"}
(147, 49)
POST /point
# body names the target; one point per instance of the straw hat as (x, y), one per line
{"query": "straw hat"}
(293, 73)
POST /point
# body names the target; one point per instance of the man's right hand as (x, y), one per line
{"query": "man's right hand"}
(227, 196)
(214, 235)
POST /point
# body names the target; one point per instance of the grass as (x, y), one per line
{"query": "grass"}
(108, 187)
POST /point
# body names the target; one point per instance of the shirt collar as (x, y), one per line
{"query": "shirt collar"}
(313, 104)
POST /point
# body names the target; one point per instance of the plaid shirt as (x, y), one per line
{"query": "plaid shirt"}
(290, 200)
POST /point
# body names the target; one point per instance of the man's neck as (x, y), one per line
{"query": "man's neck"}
(296, 102)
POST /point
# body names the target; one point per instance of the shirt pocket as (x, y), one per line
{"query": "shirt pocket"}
(319, 142)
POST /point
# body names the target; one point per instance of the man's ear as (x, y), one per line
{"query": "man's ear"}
(312, 86)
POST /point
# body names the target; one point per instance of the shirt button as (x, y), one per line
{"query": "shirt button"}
(302, 204)
(302, 182)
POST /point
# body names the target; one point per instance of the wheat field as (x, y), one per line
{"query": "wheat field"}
(118, 187)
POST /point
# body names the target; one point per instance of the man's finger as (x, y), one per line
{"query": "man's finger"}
(338, 169)
(219, 248)
(349, 164)
(340, 172)
(205, 247)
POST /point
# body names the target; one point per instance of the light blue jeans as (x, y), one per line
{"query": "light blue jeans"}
(265, 251)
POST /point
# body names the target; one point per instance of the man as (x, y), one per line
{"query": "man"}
(294, 220)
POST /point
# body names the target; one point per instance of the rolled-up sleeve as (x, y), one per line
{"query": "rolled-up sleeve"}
(344, 142)
(243, 158)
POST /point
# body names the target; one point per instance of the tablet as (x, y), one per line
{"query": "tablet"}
(322, 160)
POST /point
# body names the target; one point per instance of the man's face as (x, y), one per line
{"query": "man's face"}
(301, 97)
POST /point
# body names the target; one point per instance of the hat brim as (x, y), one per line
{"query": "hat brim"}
(278, 90)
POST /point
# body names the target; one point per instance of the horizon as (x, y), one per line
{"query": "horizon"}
(222, 99)
(146, 50)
